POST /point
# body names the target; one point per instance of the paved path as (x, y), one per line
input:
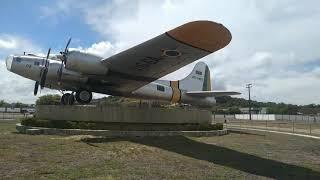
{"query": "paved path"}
(263, 130)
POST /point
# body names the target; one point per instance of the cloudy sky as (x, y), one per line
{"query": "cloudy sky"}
(275, 45)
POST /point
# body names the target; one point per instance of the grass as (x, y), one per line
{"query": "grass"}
(234, 156)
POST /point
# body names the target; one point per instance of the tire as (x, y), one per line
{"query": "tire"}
(83, 96)
(71, 99)
(64, 98)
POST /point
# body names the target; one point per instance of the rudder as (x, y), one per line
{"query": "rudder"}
(198, 80)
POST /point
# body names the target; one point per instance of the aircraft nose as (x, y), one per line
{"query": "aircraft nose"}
(9, 61)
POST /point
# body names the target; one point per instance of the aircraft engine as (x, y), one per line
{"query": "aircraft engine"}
(85, 63)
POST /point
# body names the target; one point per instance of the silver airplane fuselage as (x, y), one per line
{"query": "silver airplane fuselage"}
(78, 73)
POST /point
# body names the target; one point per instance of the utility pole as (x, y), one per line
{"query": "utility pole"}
(249, 87)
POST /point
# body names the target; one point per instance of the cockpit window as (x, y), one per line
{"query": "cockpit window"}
(36, 63)
(18, 59)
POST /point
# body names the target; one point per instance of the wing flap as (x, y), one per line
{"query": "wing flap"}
(212, 93)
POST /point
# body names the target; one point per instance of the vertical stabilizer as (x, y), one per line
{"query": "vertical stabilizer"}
(198, 80)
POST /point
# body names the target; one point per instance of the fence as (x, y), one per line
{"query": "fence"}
(11, 116)
(285, 123)
(270, 117)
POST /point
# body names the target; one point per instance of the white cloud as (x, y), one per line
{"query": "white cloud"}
(103, 49)
(7, 44)
(16, 44)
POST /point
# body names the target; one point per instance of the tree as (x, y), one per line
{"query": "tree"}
(4, 104)
(234, 110)
(49, 100)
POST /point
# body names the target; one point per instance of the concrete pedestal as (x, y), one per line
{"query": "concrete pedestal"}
(123, 115)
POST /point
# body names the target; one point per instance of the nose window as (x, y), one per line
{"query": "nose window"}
(18, 59)
(36, 63)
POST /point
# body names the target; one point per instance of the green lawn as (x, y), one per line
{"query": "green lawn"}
(234, 156)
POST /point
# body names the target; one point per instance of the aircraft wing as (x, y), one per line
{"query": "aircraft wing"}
(166, 53)
(211, 93)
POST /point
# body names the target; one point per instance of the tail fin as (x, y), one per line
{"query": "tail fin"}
(198, 79)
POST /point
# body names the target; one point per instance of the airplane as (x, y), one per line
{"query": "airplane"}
(134, 72)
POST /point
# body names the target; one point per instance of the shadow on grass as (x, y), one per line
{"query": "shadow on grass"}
(222, 156)
(244, 132)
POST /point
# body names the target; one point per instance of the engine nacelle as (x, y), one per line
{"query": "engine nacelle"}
(85, 63)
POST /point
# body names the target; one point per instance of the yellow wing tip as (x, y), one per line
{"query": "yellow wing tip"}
(206, 35)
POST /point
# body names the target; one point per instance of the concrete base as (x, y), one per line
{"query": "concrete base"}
(108, 133)
(123, 115)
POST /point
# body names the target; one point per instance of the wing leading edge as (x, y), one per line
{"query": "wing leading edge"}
(166, 53)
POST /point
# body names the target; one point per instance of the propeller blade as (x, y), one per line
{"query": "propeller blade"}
(65, 52)
(60, 73)
(66, 49)
(43, 76)
(48, 54)
(36, 87)
(64, 61)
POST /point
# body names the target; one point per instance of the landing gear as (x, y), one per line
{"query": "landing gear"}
(64, 98)
(67, 99)
(83, 96)
(71, 99)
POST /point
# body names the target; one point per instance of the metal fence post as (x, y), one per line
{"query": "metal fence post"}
(266, 124)
(226, 123)
(293, 125)
(309, 125)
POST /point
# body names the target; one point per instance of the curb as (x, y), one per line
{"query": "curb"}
(111, 133)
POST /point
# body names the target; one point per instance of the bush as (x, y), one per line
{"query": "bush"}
(49, 100)
(118, 126)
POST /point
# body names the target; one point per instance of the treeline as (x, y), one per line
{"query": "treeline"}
(231, 105)
(226, 104)
(14, 105)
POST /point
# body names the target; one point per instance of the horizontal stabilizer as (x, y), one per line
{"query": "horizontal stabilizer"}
(212, 93)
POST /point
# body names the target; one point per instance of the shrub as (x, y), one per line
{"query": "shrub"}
(118, 126)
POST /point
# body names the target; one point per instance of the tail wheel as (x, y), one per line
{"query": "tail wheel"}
(65, 98)
(84, 96)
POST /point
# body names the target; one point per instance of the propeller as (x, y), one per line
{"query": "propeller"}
(44, 71)
(64, 60)
(43, 75)
(36, 87)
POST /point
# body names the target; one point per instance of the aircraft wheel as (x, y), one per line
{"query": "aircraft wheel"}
(71, 99)
(64, 98)
(83, 96)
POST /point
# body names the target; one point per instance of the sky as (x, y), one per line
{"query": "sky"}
(275, 44)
